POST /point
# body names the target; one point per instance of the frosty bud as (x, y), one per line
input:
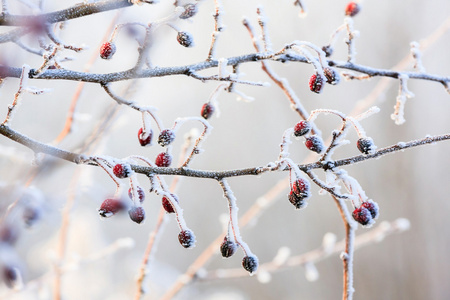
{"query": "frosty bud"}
(328, 50)
(185, 39)
(314, 143)
(122, 170)
(372, 207)
(227, 248)
(189, 11)
(140, 192)
(166, 204)
(363, 216)
(302, 128)
(166, 137)
(107, 50)
(137, 214)
(366, 145)
(352, 9)
(316, 83)
(186, 238)
(207, 110)
(250, 263)
(163, 159)
(332, 76)
(110, 207)
(147, 140)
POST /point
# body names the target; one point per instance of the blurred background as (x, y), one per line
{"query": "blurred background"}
(410, 184)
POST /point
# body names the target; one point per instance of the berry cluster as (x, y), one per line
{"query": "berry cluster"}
(367, 213)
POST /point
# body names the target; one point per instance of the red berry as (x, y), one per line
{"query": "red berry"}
(302, 128)
(107, 50)
(189, 11)
(227, 248)
(166, 137)
(166, 203)
(207, 110)
(352, 9)
(301, 187)
(250, 263)
(140, 192)
(316, 83)
(332, 76)
(372, 207)
(146, 141)
(298, 201)
(185, 39)
(110, 207)
(314, 143)
(163, 159)
(186, 238)
(137, 214)
(363, 216)
(122, 170)
(366, 145)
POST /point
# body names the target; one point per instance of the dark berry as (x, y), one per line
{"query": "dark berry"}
(316, 83)
(332, 76)
(302, 128)
(299, 201)
(163, 159)
(110, 207)
(227, 248)
(352, 9)
(366, 145)
(185, 39)
(189, 11)
(146, 141)
(166, 203)
(314, 143)
(31, 215)
(140, 192)
(363, 216)
(207, 110)
(372, 207)
(122, 170)
(186, 238)
(250, 263)
(328, 50)
(166, 137)
(137, 214)
(107, 50)
(301, 187)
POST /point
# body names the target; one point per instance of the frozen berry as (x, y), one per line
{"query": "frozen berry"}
(31, 214)
(185, 39)
(140, 192)
(332, 76)
(301, 187)
(11, 276)
(122, 170)
(207, 110)
(107, 50)
(166, 203)
(372, 207)
(328, 50)
(166, 137)
(314, 143)
(163, 159)
(363, 216)
(145, 141)
(316, 83)
(227, 248)
(302, 128)
(186, 238)
(366, 145)
(110, 207)
(352, 9)
(250, 263)
(298, 201)
(189, 11)
(137, 214)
